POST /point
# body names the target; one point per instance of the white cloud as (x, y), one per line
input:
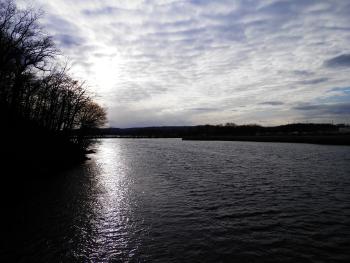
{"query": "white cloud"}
(154, 61)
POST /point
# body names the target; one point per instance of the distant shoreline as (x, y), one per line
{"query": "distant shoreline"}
(315, 133)
(343, 139)
(313, 139)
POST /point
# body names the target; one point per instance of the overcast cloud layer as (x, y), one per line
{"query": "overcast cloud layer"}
(173, 62)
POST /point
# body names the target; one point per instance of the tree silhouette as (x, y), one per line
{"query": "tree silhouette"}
(34, 90)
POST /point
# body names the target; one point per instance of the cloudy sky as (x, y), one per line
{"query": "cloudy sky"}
(181, 62)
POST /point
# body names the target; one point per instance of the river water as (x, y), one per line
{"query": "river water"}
(167, 200)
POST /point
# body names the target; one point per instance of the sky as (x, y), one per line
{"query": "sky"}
(190, 62)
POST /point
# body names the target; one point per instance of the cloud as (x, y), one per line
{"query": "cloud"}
(343, 90)
(314, 81)
(68, 41)
(199, 61)
(272, 103)
(302, 72)
(338, 61)
(107, 10)
(333, 109)
(205, 109)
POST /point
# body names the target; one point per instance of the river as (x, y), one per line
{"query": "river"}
(167, 200)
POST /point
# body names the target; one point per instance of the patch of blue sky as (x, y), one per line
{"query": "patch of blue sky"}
(342, 97)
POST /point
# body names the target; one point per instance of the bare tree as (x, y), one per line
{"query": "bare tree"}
(24, 48)
(92, 116)
(31, 88)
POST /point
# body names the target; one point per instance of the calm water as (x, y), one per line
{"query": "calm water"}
(169, 200)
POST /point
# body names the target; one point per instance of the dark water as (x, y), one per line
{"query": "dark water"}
(180, 201)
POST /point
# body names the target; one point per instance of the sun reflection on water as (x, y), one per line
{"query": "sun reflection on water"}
(111, 205)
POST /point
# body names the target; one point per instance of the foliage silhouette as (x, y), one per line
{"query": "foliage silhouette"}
(40, 102)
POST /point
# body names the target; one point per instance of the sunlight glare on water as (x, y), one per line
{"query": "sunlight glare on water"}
(113, 205)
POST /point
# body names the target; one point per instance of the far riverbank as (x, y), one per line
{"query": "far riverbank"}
(314, 139)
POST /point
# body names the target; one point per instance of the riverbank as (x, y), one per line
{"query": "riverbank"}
(37, 153)
(313, 139)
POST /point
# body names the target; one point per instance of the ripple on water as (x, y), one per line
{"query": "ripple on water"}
(181, 201)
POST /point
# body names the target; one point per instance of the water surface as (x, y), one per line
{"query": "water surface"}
(168, 200)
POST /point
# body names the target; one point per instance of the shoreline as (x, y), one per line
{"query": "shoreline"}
(313, 139)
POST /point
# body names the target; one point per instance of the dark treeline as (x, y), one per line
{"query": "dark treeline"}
(229, 129)
(40, 103)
